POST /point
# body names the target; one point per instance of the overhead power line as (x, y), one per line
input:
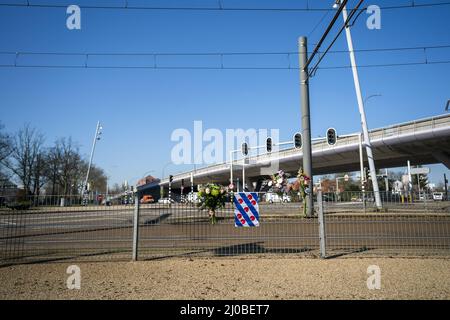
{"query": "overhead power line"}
(232, 53)
(218, 67)
(221, 6)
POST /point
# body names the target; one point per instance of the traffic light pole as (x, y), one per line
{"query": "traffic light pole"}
(445, 186)
(306, 121)
(362, 112)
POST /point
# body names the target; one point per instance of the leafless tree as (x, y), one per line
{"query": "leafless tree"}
(69, 164)
(27, 145)
(5, 145)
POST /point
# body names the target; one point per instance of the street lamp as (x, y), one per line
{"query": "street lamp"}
(362, 112)
(97, 137)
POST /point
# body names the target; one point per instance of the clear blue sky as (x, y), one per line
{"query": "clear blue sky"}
(139, 109)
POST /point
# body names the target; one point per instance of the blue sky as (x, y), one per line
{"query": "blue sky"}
(139, 109)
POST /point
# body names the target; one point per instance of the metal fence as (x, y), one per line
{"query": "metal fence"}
(416, 223)
(52, 229)
(63, 227)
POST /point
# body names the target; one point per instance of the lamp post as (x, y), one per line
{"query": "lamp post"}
(362, 112)
(97, 136)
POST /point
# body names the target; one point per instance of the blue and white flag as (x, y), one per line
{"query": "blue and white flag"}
(246, 213)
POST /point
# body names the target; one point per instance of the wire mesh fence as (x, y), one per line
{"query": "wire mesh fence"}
(184, 228)
(51, 228)
(415, 223)
(63, 227)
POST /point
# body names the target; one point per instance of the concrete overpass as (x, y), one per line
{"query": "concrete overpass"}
(423, 141)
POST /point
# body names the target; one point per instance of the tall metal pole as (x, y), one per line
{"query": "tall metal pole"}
(306, 121)
(96, 137)
(386, 181)
(361, 160)
(409, 181)
(243, 175)
(231, 167)
(445, 186)
(362, 112)
(136, 227)
(362, 178)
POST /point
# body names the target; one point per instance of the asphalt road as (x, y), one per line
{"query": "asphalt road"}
(80, 231)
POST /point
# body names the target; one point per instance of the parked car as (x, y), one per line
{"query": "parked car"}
(166, 201)
(273, 197)
(147, 199)
(106, 202)
(438, 196)
(423, 196)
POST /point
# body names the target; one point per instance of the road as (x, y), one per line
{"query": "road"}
(77, 231)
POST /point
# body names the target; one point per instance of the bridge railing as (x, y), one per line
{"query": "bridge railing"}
(412, 127)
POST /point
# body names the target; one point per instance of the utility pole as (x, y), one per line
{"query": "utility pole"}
(96, 138)
(306, 120)
(386, 181)
(445, 186)
(362, 112)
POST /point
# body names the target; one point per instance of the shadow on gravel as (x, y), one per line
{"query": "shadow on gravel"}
(157, 220)
(341, 254)
(251, 248)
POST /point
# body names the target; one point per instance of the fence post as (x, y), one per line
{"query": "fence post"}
(322, 234)
(136, 227)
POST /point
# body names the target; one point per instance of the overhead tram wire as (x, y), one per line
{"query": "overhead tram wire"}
(325, 34)
(345, 25)
(429, 47)
(220, 67)
(219, 7)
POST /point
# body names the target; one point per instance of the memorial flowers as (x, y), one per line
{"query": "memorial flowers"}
(303, 182)
(279, 182)
(212, 197)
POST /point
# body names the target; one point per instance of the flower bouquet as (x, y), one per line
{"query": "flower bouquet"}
(212, 197)
(303, 183)
(279, 182)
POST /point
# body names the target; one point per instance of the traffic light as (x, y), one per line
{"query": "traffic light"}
(331, 136)
(298, 140)
(269, 145)
(182, 183)
(245, 149)
(170, 178)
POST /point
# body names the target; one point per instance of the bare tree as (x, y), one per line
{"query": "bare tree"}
(5, 145)
(69, 165)
(25, 150)
(39, 172)
(97, 179)
(52, 161)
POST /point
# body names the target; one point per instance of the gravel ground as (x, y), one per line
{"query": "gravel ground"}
(232, 278)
